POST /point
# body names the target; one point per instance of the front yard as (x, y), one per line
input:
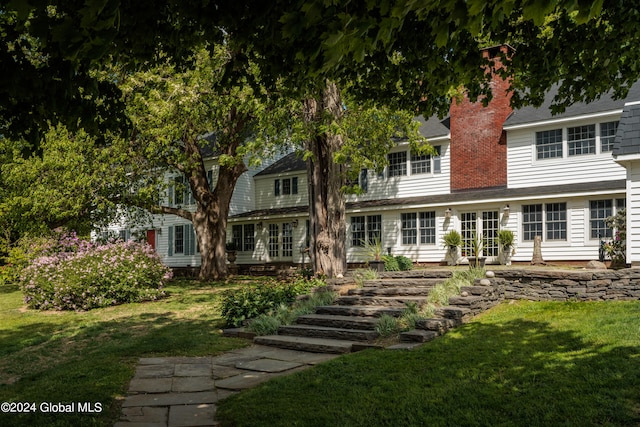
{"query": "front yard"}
(521, 363)
(89, 357)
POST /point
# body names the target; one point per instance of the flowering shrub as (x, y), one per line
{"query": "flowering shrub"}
(79, 275)
(617, 247)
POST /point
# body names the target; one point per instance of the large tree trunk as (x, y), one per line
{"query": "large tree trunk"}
(326, 178)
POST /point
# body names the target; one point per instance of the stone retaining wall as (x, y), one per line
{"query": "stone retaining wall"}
(567, 285)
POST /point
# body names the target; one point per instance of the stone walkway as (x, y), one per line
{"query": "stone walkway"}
(183, 391)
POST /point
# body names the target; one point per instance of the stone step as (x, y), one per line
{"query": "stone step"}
(391, 291)
(356, 310)
(418, 335)
(328, 332)
(395, 301)
(437, 325)
(313, 345)
(403, 282)
(455, 313)
(425, 273)
(334, 321)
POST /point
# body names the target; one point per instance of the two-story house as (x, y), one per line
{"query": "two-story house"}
(528, 171)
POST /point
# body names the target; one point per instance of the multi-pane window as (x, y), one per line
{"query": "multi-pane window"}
(599, 210)
(608, 135)
(286, 186)
(490, 221)
(420, 163)
(549, 144)
(556, 221)
(397, 164)
(374, 227)
(249, 242)
(409, 228)
(358, 231)
(287, 239)
(365, 229)
(421, 224)
(581, 140)
(531, 221)
(243, 237)
(236, 236)
(272, 245)
(468, 225)
(179, 239)
(427, 228)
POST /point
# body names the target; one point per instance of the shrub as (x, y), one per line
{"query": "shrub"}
(390, 263)
(387, 326)
(363, 274)
(243, 304)
(264, 325)
(90, 276)
(404, 263)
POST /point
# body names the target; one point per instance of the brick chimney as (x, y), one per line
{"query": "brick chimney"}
(478, 143)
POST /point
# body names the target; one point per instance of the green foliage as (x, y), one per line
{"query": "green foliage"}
(362, 274)
(387, 326)
(373, 248)
(390, 263)
(94, 276)
(264, 324)
(451, 239)
(451, 286)
(404, 263)
(616, 248)
(284, 314)
(238, 306)
(505, 238)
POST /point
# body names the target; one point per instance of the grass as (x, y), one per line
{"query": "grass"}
(91, 356)
(524, 363)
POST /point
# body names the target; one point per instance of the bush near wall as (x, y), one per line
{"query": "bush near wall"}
(246, 303)
(88, 275)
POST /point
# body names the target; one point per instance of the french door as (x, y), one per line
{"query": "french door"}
(280, 242)
(482, 223)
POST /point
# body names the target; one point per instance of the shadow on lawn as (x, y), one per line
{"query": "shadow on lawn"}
(515, 373)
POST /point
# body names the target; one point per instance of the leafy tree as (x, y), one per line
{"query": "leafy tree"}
(72, 183)
(171, 111)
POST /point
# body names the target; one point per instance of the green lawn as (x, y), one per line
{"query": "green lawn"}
(520, 364)
(90, 357)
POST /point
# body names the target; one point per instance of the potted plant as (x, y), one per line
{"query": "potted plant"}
(231, 252)
(505, 241)
(374, 250)
(477, 246)
(452, 241)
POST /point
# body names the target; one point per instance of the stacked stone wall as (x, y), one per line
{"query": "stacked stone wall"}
(565, 285)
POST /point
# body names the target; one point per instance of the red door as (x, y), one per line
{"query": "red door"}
(151, 238)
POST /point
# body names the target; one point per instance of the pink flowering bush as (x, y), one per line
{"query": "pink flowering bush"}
(85, 275)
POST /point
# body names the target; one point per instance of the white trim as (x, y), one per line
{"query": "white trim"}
(631, 103)
(563, 120)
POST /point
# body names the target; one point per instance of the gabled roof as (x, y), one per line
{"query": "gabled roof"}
(290, 163)
(627, 140)
(433, 127)
(606, 103)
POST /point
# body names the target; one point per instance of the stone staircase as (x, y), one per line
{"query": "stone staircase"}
(349, 324)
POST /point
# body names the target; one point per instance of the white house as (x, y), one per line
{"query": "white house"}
(528, 171)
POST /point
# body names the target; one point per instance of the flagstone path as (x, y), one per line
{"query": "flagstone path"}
(184, 391)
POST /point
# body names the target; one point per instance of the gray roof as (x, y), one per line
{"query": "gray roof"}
(606, 103)
(433, 126)
(628, 137)
(290, 163)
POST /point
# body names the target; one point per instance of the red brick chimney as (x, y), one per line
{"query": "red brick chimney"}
(478, 144)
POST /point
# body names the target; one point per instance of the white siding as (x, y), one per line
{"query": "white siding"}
(266, 199)
(525, 170)
(383, 187)
(633, 212)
